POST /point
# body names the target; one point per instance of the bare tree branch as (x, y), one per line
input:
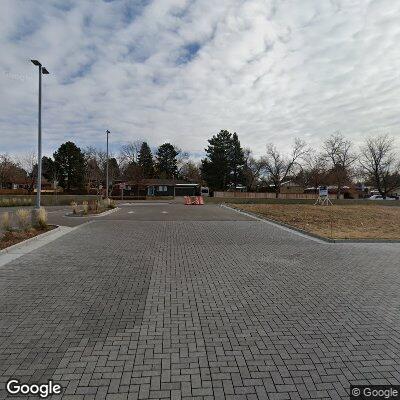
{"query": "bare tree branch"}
(129, 152)
(379, 163)
(339, 153)
(279, 167)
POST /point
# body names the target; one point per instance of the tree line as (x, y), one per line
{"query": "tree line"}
(226, 165)
(337, 163)
(75, 168)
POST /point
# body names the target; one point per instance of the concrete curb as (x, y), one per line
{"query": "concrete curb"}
(304, 233)
(149, 203)
(17, 250)
(95, 215)
(104, 213)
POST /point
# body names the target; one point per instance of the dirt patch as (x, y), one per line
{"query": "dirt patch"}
(10, 238)
(335, 222)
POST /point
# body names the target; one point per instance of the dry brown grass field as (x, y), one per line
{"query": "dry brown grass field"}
(337, 221)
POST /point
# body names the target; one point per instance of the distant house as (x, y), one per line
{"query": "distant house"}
(25, 185)
(291, 187)
(169, 187)
(17, 183)
(238, 188)
(156, 187)
(346, 192)
(48, 186)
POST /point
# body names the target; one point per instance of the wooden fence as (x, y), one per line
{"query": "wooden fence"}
(14, 192)
(255, 195)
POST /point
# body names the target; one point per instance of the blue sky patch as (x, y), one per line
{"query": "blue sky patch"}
(189, 52)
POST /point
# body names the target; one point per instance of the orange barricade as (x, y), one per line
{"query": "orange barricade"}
(195, 200)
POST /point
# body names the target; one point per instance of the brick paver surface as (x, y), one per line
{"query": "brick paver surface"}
(129, 309)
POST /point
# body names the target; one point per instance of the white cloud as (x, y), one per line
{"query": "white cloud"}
(270, 70)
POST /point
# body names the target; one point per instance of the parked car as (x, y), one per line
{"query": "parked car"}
(380, 197)
(205, 191)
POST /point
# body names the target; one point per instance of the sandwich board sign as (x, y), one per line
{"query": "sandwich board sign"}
(323, 191)
(323, 196)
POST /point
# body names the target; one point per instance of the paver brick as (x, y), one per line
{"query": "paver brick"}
(200, 309)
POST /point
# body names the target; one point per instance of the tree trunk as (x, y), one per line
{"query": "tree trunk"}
(339, 189)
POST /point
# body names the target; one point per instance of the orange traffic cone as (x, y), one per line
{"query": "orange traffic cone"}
(187, 200)
(201, 200)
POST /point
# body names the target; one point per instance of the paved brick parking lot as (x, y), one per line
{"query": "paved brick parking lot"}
(184, 302)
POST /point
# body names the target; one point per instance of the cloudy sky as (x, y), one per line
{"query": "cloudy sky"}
(181, 70)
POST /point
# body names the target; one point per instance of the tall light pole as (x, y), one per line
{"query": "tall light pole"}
(107, 132)
(42, 70)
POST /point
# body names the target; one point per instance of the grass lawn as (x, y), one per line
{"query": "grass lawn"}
(335, 222)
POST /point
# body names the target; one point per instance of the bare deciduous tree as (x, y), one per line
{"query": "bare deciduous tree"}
(253, 169)
(93, 168)
(279, 168)
(96, 161)
(314, 171)
(379, 163)
(182, 159)
(339, 154)
(191, 171)
(130, 152)
(28, 162)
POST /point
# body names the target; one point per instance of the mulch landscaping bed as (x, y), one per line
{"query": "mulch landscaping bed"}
(10, 238)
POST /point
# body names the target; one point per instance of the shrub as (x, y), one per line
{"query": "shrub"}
(23, 218)
(93, 204)
(15, 201)
(6, 222)
(42, 218)
(99, 205)
(74, 206)
(85, 205)
(111, 204)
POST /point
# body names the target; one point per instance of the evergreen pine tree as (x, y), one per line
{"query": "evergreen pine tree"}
(145, 161)
(216, 167)
(70, 166)
(167, 163)
(236, 161)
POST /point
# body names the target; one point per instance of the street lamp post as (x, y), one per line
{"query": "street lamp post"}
(42, 70)
(107, 132)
